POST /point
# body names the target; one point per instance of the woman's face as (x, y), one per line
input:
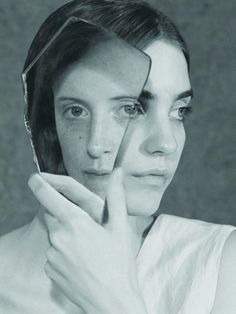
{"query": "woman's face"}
(92, 116)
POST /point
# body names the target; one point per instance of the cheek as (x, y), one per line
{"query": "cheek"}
(180, 137)
(73, 142)
(73, 150)
(146, 201)
(130, 152)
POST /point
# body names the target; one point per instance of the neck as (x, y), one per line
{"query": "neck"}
(139, 227)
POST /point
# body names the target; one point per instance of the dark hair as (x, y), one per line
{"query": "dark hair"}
(135, 21)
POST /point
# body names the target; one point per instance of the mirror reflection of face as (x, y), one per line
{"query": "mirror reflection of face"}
(91, 117)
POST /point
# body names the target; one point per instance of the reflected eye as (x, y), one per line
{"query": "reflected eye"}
(131, 110)
(76, 111)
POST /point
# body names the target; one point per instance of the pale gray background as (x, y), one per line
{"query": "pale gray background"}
(204, 186)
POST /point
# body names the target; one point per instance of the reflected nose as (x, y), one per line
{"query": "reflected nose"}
(99, 140)
(161, 139)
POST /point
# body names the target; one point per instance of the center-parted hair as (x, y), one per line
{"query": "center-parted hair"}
(135, 21)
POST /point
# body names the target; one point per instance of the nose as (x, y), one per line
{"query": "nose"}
(161, 138)
(99, 142)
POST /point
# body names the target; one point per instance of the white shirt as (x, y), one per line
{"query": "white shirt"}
(178, 265)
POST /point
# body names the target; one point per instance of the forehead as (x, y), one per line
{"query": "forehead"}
(169, 70)
(110, 65)
(88, 83)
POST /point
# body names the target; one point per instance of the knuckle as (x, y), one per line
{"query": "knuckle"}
(47, 268)
(50, 254)
(57, 238)
(54, 239)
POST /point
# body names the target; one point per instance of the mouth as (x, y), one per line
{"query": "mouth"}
(96, 179)
(154, 177)
(98, 172)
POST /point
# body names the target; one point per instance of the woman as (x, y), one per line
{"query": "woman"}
(118, 258)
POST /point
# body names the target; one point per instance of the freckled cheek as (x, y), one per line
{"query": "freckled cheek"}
(73, 142)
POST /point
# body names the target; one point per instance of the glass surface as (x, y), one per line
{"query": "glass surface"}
(111, 56)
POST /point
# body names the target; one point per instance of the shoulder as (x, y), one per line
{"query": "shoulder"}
(10, 269)
(9, 241)
(11, 246)
(198, 230)
(225, 301)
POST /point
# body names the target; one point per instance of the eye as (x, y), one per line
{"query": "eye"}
(131, 110)
(184, 111)
(181, 112)
(181, 109)
(76, 111)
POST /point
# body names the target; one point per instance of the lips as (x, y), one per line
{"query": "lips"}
(152, 172)
(155, 177)
(96, 180)
(98, 172)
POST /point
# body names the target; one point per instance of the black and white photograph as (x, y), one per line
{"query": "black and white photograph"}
(117, 157)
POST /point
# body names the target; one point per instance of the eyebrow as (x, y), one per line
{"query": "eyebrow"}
(125, 97)
(185, 94)
(73, 99)
(83, 102)
(150, 96)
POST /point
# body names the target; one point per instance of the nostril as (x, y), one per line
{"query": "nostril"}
(160, 144)
(158, 153)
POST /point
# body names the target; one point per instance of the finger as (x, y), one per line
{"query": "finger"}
(51, 221)
(77, 193)
(58, 206)
(50, 271)
(116, 202)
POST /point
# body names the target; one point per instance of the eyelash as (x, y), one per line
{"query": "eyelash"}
(69, 112)
(138, 106)
(187, 110)
(128, 111)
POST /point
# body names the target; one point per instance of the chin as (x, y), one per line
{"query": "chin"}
(143, 205)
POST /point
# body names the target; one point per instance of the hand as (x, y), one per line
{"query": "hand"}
(91, 263)
(76, 193)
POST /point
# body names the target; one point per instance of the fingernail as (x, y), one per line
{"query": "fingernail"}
(34, 182)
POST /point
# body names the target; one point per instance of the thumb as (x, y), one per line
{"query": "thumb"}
(116, 202)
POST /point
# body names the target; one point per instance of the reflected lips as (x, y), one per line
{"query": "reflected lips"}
(98, 175)
(97, 179)
(98, 172)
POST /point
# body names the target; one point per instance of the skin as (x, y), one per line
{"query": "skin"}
(74, 221)
(85, 141)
